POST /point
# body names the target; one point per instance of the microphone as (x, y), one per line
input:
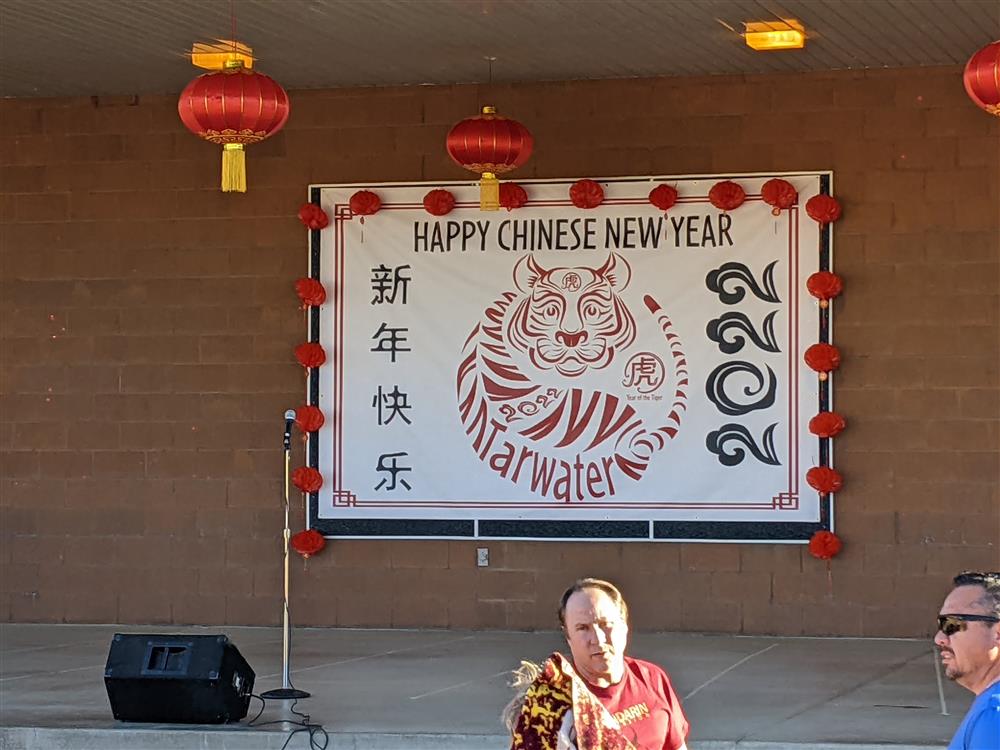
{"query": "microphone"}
(289, 418)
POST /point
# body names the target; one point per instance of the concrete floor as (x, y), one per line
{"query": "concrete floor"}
(388, 689)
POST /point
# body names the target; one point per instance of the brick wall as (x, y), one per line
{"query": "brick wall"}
(148, 322)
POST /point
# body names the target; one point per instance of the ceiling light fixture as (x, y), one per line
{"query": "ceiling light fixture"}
(215, 56)
(770, 35)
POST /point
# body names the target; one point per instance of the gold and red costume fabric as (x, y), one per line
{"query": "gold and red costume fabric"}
(551, 696)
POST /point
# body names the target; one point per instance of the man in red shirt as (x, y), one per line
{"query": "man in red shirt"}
(594, 618)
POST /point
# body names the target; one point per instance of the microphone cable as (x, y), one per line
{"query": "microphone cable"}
(319, 739)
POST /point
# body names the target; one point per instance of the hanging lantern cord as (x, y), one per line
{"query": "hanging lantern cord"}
(232, 15)
(489, 186)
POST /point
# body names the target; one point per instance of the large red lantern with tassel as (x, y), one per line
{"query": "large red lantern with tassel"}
(489, 145)
(982, 78)
(233, 107)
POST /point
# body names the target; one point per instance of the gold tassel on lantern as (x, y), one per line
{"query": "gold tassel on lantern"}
(234, 168)
(489, 192)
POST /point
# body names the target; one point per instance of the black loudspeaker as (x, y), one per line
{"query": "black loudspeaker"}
(185, 679)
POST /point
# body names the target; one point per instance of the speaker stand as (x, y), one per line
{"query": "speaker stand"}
(284, 694)
(286, 691)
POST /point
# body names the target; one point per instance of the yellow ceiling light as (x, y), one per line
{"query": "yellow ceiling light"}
(215, 55)
(768, 35)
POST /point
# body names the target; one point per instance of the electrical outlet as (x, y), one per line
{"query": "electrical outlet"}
(483, 557)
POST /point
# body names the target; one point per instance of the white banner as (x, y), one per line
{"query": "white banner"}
(497, 374)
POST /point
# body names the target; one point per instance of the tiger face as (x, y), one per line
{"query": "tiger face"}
(571, 319)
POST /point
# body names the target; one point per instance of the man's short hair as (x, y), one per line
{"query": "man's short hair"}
(989, 580)
(593, 583)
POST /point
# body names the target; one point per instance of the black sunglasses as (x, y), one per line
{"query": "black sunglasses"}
(951, 624)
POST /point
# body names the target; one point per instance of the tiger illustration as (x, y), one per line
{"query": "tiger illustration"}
(570, 320)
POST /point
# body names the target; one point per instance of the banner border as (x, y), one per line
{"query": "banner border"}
(796, 532)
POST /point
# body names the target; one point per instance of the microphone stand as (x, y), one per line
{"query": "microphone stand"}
(286, 691)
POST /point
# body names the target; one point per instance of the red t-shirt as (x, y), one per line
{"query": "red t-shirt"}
(646, 707)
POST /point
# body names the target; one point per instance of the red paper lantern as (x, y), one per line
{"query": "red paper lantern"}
(439, 202)
(825, 545)
(822, 358)
(365, 203)
(726, 195)
(586, 194)
(310, 291)
(663, 196)
(307, 543)
(313, 216)
(824, 286)
(309, 418)
(827, 424)
(488, 145)
(233, 107)
(824, 480)
(982, 78)
(310, 354)
(307, 479)
(823, 208)
(779, 194)
(512, 195)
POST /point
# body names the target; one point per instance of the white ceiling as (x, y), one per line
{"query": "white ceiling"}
(88, 47)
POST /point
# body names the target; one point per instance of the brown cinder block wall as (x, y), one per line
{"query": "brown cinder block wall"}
(148, 322)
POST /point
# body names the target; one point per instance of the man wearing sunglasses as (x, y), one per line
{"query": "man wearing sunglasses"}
(968, 638)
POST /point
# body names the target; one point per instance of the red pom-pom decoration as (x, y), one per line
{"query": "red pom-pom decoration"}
(726, 195)
(778, 194)
(307, 479)
(586, 194)
(824, 480)
(313, 216)
(823, 208)
(310, 354)
(663, 196)
(307, 543)
(439, 202)
(822, 358)
(827, 424)
(825, 545)
(310, 291)
(512, 195)
(309, 418)
(824, 286)
(365, 203)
